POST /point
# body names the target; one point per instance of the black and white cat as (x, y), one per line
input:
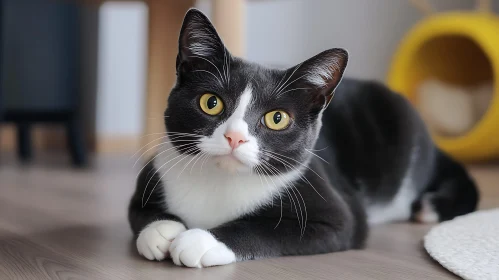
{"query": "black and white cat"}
(246, 172)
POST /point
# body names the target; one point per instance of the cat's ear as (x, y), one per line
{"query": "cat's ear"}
(198, 38)
(323, 72)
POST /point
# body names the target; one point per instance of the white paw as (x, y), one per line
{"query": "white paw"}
(427, 214)
(154, 240)
(198, 248)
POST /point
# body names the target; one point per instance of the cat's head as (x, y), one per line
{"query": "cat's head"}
(244, 116)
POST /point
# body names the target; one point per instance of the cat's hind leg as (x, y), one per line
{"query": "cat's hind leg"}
(450, 193)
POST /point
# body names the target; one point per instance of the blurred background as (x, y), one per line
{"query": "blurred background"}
(86, 78)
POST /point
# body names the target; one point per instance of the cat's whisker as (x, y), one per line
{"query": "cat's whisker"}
(290, 185)
(168, 133)
(185, 166)
(290, 83)
(178, 161)
(259, 175)
(289, 90)
(204, 71)
(223, 65)
(208, 156)
(319, 150)
(258, 169)
(201, 154)
(276, 91)
(155, 172)
(297, 205)
(287, 164)
(286, 84)
(150, 134)
(161, 144)
(143, 147)
(183, 133)
(300, 163)
(305, 209)
(173, 137)
(227, 68)
(275, 186)
(180, 148)
(160, 153)
(203, 162)
(317, 156)
(304, 219)
(292, 189)
(207, 60)
(279, 84)
(201, 159)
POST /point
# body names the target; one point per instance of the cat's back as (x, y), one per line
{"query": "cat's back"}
(368, 111)
(360, 95)
(375, 137)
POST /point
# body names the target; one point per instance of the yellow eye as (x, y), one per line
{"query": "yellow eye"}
(277, 120)
(211, 104)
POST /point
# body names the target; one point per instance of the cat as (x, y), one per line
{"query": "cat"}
(259, 163)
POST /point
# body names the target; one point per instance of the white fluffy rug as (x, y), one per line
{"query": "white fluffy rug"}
(468, 245)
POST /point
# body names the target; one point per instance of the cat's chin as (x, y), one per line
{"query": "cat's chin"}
(231, 164)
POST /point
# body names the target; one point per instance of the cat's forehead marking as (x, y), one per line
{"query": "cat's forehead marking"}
(236, 120)
(244, 102)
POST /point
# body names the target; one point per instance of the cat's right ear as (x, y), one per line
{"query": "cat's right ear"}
(322, 74)
(198, 38)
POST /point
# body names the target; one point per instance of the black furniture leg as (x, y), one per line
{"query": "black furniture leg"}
(24, 148)
(76, 143)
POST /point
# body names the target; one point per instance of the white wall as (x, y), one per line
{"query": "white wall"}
(121, 73)
(286, 32)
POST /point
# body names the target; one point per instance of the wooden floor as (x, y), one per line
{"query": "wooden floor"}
(58, 223)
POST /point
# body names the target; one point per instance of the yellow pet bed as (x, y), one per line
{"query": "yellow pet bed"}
(460, 48)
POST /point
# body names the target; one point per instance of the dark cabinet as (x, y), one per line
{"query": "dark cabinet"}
(40, 69)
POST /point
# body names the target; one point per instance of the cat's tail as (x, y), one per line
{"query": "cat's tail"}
(450, 193)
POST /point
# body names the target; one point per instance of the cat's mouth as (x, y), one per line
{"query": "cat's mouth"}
(230, 163)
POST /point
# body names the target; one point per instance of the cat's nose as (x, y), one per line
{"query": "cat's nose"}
(235, 139)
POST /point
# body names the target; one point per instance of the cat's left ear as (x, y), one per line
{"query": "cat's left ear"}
(198, 38)
(324, 72)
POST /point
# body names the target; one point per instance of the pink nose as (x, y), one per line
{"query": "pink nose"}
(235, 139)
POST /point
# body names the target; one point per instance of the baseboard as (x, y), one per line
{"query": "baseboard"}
(8, 138)
(54, 139)
(118, 144)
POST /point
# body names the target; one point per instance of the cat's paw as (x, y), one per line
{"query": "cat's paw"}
(427, 214)
(154, 241)
(199, 248)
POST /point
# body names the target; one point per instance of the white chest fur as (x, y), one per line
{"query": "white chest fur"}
(205, 196)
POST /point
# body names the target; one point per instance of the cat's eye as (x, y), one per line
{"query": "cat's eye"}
(211, 104)
(276, 120)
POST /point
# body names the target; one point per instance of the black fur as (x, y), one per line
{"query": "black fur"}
(370, 136)
(452, 192)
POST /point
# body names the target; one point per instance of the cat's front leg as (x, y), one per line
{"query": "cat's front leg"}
(259, 238)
